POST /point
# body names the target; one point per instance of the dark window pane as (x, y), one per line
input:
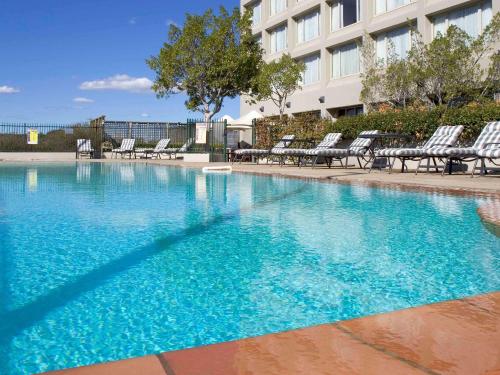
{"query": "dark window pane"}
(349, 12)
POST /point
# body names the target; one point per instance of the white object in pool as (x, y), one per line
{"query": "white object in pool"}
(219, 169)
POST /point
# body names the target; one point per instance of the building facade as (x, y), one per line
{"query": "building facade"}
(325, 35)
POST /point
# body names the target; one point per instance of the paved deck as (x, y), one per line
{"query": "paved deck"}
(454, 337)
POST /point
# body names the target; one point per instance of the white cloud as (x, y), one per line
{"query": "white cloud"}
(8, 90)
(82, 100)
(132, 21)
(145, 114)
(121, 82)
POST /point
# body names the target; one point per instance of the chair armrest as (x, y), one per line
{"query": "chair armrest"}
(492, 143)
(441, 144)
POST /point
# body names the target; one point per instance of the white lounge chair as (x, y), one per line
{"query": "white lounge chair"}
(443, 137)
(84, 147)
(329, 141)
(172, 152)
(359, 148)
(126, 147)
(277, 150)
(159, 149)
(485, 144)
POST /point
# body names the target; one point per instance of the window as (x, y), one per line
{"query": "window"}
(345, 60)
(277, 6)
(258, 39)
(350, 111)
(473, 20)
(257, 13)
(393, 44)
(345, 13)
(311, 74)
(308, 27)
(278, 39)
(382, 6)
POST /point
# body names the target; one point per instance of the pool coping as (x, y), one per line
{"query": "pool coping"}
(376, 344)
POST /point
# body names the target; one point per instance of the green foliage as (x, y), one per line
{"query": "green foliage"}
(277, 81)
(448, 71)
(271, 129)
(211, 58)
(53, 141)
(419, 123)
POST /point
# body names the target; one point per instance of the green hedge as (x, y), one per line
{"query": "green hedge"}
(420, 124)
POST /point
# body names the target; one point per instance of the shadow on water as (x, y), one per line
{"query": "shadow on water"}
(14, 322)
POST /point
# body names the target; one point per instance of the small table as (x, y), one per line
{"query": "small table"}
(380, 140)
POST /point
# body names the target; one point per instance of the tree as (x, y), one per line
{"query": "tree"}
(277, 81)
(212, 57)
(448, 71)
(385, 81)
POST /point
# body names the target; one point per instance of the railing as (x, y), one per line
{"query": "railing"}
(49, 137)
(106, 135)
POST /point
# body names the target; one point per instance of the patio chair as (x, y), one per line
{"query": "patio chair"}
(277, 150)
(127, 147)
(483, 148)
(159, 149)
(173, 151)
(359, 148)
(329, 141)
(443, 137)
(84, 147)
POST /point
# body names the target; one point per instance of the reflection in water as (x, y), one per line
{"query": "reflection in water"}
(32, 179)
(175, 258)
(83, 171)
(127, 173)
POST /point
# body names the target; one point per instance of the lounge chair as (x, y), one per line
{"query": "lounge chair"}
(173, 151)
(329, 141)
(159, 149)
(443, 137)
(487, 154)
(84, 147)
(277, 150)
(127, 147)
(359, 148)
(487, 145)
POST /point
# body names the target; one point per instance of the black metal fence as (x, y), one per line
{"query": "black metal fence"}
(200, 137)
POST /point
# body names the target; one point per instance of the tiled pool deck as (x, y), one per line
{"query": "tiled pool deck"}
(455, 337)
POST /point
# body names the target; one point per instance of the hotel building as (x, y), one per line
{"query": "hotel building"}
(325, 35)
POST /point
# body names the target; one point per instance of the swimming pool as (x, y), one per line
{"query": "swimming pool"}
(104, 261)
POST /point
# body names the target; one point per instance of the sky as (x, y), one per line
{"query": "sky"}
(65, 61)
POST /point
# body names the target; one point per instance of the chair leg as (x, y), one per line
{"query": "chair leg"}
(474, 167)
(346, 161)
(435, 164)
(445, 164)
(418, 166)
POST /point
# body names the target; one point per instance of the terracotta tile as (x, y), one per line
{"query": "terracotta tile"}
(450, 338)
(149, 365)
(490, 302)
(316, 350)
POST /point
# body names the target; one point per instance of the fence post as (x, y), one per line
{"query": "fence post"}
(225, 142)
(254, 135)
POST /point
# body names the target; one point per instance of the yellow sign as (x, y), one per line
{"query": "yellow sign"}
(32, 137)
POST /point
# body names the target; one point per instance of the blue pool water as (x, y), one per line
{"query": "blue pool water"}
(101, 262)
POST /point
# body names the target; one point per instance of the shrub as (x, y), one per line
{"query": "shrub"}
(417, 122)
